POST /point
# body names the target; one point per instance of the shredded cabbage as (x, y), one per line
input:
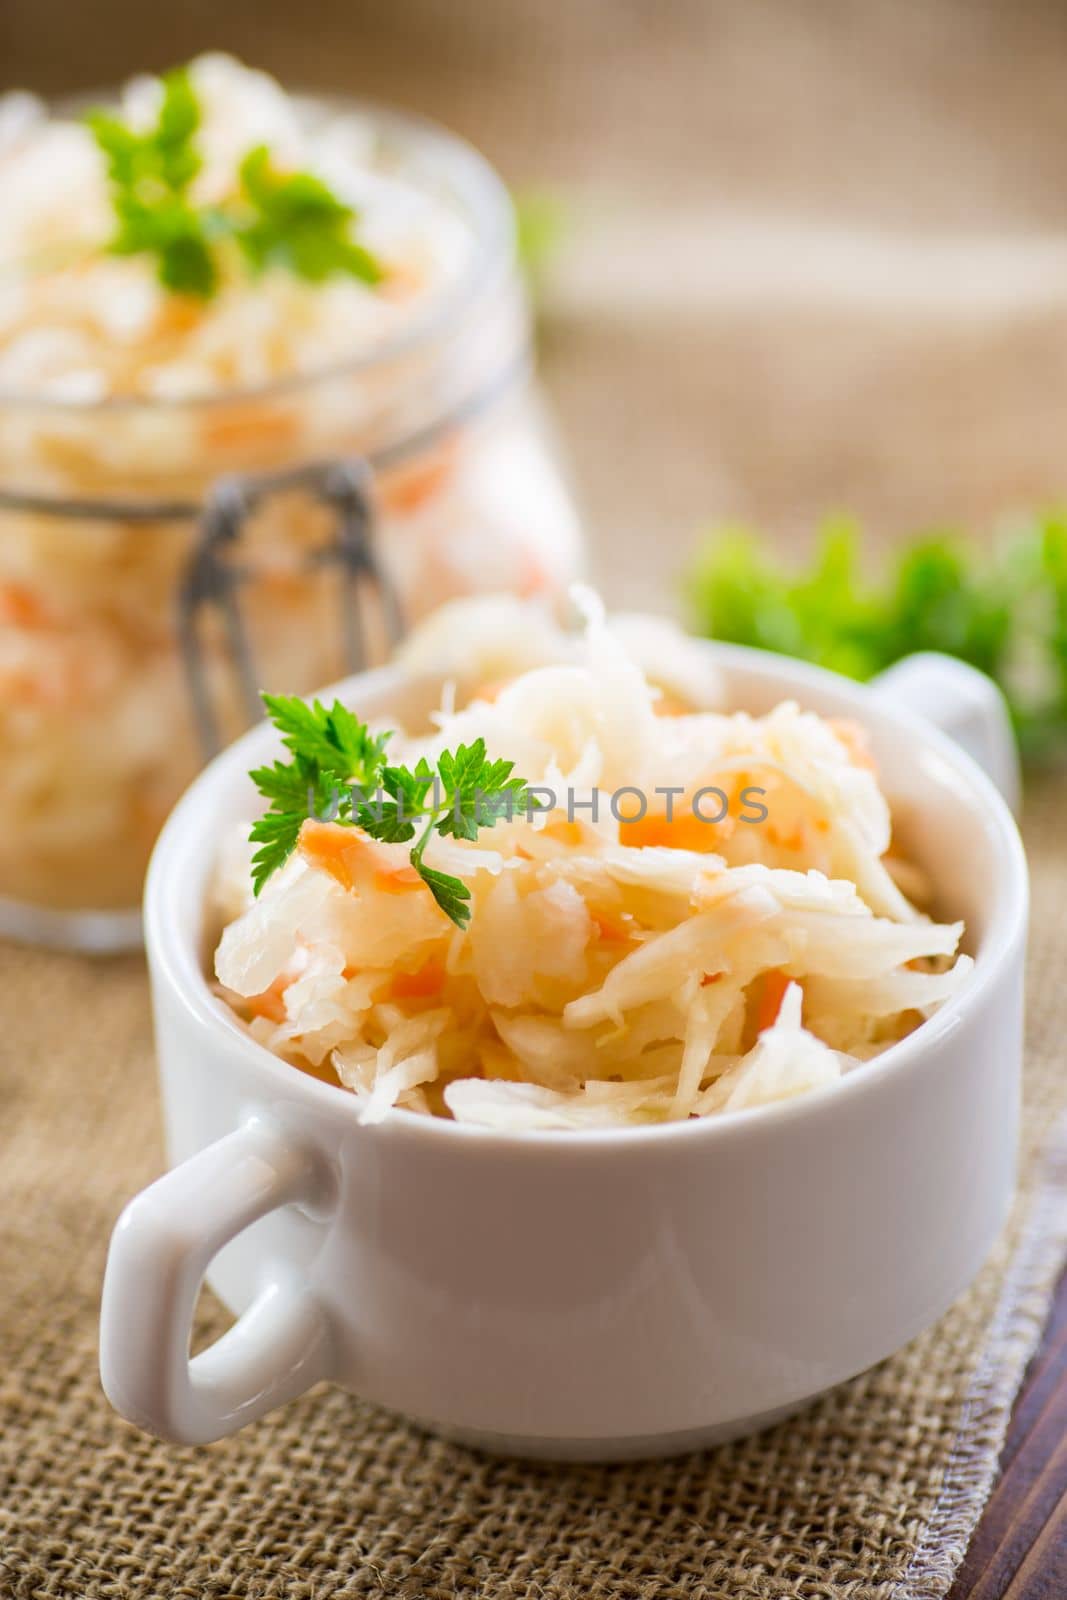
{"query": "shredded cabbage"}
(618, 968)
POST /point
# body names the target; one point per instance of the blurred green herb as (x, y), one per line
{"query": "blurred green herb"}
(277, 218)
(295, 221)
(1003, 609)
(150, 175)
(542, 223)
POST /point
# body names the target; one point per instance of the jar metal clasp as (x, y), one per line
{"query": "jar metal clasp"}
(216, 574)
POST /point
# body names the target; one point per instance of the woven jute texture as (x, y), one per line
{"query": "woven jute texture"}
(871, 1493)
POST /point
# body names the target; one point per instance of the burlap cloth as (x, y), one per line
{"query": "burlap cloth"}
(685, 396)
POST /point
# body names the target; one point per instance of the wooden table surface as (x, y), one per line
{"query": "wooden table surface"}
(1019, 1550)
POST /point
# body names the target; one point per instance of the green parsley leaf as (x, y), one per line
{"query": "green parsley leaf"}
(333, 752)
(173, 232)
(276, 834)
(295, 221)
(451, 894)
(333, 736)
(385, 820)
(297, 790)
(338, 773)
(409, 789)
(478, 793)
(286, 784)
(150, 174)
(276, 218)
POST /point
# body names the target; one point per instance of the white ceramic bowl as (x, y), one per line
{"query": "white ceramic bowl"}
(584, 1294)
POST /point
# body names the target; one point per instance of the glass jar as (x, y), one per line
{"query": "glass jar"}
(161, 560)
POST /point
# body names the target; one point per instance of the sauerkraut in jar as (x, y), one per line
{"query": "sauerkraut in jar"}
(123, 402)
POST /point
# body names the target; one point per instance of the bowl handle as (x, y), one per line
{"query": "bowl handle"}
(963, 703)
(160, 1250)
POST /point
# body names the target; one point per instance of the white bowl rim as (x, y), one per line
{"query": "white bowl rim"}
(175, 961)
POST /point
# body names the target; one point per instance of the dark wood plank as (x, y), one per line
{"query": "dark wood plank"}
(1043, 1575)
(1019, 1550)
(1044, 1373)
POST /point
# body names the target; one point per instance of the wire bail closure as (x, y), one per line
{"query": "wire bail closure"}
(215, 576)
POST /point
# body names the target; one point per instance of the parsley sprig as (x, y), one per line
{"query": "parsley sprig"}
(293, 220)
(330, 748)
(1001, 607)
(151, 174)
(339, 773)
(274, 218)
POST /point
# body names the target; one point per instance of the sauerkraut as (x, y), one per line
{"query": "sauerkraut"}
(80, 324)
(631, 957)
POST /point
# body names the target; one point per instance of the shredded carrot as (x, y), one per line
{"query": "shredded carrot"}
(20, 605)
(775, 983)
(615, 931)
(854, 738)
(252, 425)
(397, 880)
(401, 281)
(342, 852)
(566, 832)
(668, 705)
(685, 831)
(271, 1002)
(179, 314)
(418, 985)
(408, 489)
(490, 689)
(795, 839)
(532, 577)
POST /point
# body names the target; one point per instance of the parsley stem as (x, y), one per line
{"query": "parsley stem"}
(419, 847)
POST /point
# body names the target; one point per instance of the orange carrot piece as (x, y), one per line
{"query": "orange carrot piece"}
(20, 605)
(490, 689)
(251, 425)
(397, 880)
(854, 738)
(684, 832)
(271, 1002)
(344, 852)
(425, 981)
(772, 992)
(409, 488)
(611, 930)
(668, 705)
